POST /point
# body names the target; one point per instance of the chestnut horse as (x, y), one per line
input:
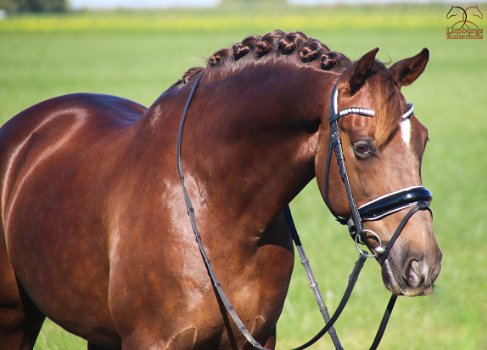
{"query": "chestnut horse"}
(94, 231)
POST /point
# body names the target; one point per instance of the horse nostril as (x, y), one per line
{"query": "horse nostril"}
(414, 275)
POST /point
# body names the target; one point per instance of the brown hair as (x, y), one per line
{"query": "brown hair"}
(386, 103)
(296, 45)
(303, 50)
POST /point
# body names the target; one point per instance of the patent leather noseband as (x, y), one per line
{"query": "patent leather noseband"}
(393, 202)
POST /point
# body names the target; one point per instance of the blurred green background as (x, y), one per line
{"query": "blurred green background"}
(138, 54)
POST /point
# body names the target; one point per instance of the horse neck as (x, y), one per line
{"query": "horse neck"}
(249, 141)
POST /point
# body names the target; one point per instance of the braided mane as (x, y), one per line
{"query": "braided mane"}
(301, 50)
(295, 45)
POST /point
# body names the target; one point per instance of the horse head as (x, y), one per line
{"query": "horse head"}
(456, 10)
(475, 11)
(383, 153)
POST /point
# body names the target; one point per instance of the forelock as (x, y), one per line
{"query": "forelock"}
(386, 103)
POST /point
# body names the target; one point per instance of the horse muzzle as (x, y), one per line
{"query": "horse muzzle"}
(411, 265)
(415, 276)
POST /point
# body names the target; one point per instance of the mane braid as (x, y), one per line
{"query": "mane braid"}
(297, 46)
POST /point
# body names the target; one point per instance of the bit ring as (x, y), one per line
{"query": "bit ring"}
(378, 249)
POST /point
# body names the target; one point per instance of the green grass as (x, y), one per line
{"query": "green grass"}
(138, 55)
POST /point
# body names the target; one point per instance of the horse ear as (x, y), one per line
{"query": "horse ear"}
(408, 70)
(361, 71)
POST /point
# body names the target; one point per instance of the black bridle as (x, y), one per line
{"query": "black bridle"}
(418, 197)
(379, 207)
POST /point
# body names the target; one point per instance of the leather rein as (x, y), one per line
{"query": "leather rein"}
(417, 197)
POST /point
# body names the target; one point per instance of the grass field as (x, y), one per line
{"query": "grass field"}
(139, 54)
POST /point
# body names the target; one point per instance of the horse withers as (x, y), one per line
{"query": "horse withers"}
(94, 230)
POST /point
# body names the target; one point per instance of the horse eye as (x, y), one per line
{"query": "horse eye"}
(363, 149)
